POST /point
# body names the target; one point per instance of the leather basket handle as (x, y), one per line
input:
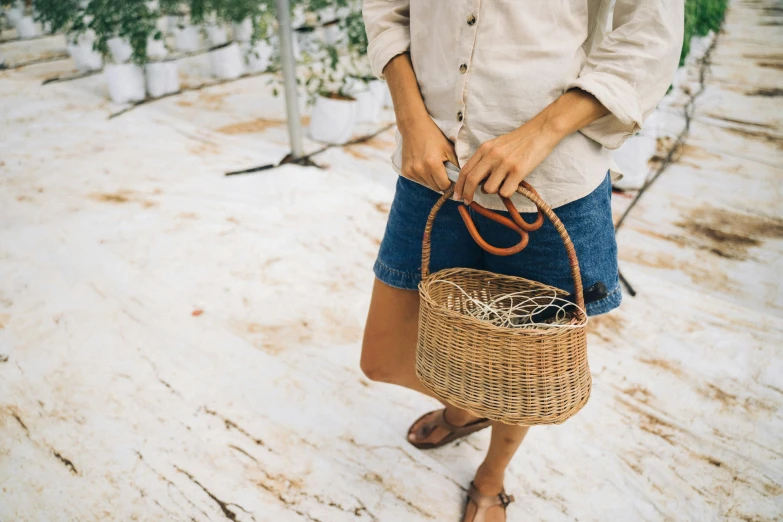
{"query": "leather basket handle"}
(516, 223)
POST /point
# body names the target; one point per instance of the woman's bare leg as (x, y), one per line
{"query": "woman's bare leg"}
(389, 348)
(489, 477)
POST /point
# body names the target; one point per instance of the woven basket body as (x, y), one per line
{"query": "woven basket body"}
(524, 376)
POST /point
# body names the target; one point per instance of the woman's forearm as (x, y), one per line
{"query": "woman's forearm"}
(409, 106)
(506, 160)
(570, 113)
(424, 147)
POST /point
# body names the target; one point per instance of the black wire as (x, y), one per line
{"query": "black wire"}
(674, 152)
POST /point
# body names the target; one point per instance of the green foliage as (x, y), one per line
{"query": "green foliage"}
(171, 7)
(701, 17)
(60, 14)
(130, 19)
(353, 26)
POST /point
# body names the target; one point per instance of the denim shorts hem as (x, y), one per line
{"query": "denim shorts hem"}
(396, 278)
(607, 304)
(408, 281)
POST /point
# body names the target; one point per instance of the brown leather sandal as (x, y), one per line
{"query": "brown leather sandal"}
(484, 502)
(456, 432)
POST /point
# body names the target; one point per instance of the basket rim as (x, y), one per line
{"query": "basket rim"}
(424, 295)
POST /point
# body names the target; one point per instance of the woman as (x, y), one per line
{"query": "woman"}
(503, 91)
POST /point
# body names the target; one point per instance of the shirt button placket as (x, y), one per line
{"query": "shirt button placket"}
(466, 44)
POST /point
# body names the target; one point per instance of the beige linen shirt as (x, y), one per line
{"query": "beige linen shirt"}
(485, 67)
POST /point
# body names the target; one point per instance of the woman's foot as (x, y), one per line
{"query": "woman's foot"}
(486, 502)
(440, 427)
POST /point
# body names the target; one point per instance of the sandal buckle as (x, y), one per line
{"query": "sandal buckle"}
(504, 499)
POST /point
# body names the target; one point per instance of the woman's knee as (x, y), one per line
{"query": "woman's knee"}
(375, 368)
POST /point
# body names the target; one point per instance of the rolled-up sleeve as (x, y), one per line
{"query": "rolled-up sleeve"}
(631, 69)
(388, 31)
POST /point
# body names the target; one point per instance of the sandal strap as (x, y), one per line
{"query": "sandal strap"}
(484, 501)
(441, 421)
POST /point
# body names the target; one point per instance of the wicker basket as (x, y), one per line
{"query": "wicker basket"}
(524, 376)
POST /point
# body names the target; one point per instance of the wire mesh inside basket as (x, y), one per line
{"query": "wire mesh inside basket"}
(503, 301)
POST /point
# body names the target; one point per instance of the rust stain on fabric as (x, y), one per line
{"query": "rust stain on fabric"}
(651, 423)
(247, 127)
(354, 151)
(715, 393)
(121, 197)
(725, 233)
(638, 392)
(605, 327)
(770, 93)
(382, 207)
(664, 365)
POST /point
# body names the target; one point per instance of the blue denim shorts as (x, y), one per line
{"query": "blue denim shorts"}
(588, 221)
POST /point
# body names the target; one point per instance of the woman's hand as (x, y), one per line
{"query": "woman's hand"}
(507, 160)
(424, 147)
(424, 151)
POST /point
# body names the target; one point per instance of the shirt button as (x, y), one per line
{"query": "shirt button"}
(471, 19)
(459, 116)
(463, 68)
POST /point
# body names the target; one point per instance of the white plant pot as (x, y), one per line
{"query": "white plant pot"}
(327, 14)
(632, 160)
(332, 121)
(188, 39)
(305, 41)
(156, 49)
(227, 62)
(216, 34)
(27, 28)
(84, 56)
(298, 17)
(330, 34)
(243, 31)
(120, 49)
(14, 14)
(170, 24)
(125, 82)
(162, 78)
(381, 91)
(257, 57)
(368, 107)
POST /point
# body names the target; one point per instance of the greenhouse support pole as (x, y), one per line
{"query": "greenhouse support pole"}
(289, 78)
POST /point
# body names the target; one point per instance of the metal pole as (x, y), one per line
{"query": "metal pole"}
(289, 78)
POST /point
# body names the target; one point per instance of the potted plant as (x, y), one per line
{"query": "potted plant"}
(123, 30)
(226, 57)
(327, 77)
(25, 24)
(13, 10)
(251, 21)
(364, 87)
(69, 17)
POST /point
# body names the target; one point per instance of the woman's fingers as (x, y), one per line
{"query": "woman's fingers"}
(407, 171)
(515, 176)
(496, 178)
(474, 178)
(437, 170)
(464, 172)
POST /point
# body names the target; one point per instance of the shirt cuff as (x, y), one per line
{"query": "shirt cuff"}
(386, 46)
(621, 100)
